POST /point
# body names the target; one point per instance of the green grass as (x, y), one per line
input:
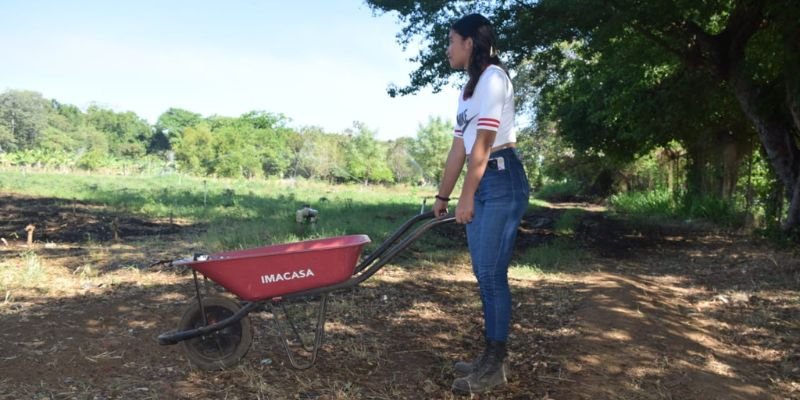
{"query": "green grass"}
(558, 191)
(567, 224)
(555, 257)
(655, 203)
(663, 204)
(238, 214)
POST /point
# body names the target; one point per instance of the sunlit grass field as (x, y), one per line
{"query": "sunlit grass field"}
(238, 214)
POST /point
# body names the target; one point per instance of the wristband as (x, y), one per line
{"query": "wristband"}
(442, 198)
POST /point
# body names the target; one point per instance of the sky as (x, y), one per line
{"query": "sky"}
(320, 63)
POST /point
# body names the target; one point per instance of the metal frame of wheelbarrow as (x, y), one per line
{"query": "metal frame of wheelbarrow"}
(387, 251)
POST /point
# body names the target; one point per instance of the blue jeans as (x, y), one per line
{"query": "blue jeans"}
(500, 201)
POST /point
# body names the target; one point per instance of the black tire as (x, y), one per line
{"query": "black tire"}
(223, 348)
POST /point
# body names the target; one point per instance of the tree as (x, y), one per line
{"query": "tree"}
(235, 153)
(749, 47)
(431, 147)
(6, 139)
(128, 134)
(365, 157)
(66, 116)
(402, 163)
(170, 126)
(320, 154)
(195, 152)
(23, 115)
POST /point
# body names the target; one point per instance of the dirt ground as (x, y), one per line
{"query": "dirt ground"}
(653, 312)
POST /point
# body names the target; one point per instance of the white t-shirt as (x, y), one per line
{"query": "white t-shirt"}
(491, 107)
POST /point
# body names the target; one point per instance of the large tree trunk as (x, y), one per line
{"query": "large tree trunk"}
(703, 160)
(777, 137)
(730, 170)
(725, 52)
(793, 104)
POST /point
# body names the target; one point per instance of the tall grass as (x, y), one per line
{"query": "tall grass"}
(655, 202)
(558, 191)
(665, 204)
(567, 223)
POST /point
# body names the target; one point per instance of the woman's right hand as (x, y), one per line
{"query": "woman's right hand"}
(439, 208)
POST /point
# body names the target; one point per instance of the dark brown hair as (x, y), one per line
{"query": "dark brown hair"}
(484, 47)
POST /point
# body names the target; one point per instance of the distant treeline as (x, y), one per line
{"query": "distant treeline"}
(35, 131)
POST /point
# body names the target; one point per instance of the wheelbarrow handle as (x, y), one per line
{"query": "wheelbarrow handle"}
(392, 239)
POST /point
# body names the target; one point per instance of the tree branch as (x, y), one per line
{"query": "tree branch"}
(685, 56)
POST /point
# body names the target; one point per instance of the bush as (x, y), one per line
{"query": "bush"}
(91, 161)
(652, 203)
(663, 203)
(559, 191)
(568, 223)
(717, 210)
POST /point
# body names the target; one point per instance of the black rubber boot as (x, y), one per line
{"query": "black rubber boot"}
(464, 368)
(486, 375)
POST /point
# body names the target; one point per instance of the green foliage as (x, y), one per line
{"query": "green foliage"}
(648, 203)
(366, 158)
(49, 134)
(23, 116)
(619, 81)
(92, 160)
(403, 164)
(320, 155)
(235, 154)
(54, 139)
(169, 128)
(128, 134)
(568, 222)
(6, 139)
(663, 204)
(431, 147)
(558, 191)
(713, 209)
(195, 151)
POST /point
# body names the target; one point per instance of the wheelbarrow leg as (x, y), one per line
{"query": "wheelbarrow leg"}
(318, 334)
(295, 331)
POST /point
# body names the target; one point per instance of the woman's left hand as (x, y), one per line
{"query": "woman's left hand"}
(465, 209)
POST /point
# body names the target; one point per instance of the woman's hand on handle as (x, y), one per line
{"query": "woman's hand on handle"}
(465, 210)
(440, 208)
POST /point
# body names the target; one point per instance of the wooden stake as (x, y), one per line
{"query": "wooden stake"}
(115, 228)
(30, 228)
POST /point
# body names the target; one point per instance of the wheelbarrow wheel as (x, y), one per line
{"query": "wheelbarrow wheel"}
(220, 349)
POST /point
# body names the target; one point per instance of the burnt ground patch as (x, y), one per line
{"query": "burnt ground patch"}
(74, 221)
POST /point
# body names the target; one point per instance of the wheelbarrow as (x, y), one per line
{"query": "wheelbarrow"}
(215, 331)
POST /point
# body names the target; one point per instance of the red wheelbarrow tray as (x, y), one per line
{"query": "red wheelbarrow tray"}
(272, 271)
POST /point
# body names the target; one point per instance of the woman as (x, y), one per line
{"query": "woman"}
(495, 191)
